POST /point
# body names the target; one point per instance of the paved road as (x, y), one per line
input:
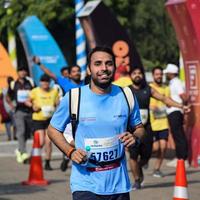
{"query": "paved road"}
(12, 174)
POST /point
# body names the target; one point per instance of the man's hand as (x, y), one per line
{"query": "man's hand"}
(79, 156)
(36, 60)
(36, 108)
(187, 109)
(127, 139)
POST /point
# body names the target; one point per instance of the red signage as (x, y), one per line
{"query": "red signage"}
(185, 16)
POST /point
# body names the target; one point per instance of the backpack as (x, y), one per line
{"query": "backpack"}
(74, 104)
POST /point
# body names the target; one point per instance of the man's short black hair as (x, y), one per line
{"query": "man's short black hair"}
(103, 49)
(71, 67)
(21, 69)
(155, 68)
(136, 68)
(45, 78)
(63, 69)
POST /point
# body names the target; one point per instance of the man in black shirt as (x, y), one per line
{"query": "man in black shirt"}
(20, 90)
(143, 92)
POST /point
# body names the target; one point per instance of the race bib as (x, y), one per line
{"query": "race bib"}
(160, 113)
(47, 111)
(103, 149)
(22, 95)
(144, 115)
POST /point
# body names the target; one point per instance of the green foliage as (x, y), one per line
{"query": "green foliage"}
(149, 27)
(45, 10)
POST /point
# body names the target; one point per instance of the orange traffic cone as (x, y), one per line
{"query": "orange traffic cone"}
(180, 188)
(36, 171)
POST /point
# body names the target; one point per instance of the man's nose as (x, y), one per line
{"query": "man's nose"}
(104, 66)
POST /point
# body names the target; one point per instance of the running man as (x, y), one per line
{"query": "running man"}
(102, 130)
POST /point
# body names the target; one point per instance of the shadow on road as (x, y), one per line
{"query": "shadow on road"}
(167, 184)
(188, 172)
(17, 188)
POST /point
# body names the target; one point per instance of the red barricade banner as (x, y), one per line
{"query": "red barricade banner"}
(185, 16)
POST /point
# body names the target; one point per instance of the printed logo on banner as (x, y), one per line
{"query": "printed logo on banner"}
(193, 83)
(121, 50)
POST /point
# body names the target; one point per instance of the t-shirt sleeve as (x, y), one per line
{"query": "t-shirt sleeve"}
(135, 117)
(167, 92)
(32, 94)
(61, 117)
(179, 87)
(59, 80)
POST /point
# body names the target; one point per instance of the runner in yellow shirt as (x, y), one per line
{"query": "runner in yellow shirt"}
(158, 119)
(43, 101)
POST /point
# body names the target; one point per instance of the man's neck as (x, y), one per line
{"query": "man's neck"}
(75, 81)
(45, 90)
(137, 87)
(99, 90)
(157, 84)
(21, 80)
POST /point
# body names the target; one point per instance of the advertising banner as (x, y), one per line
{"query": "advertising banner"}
(185, 16)
(37, 41)
(6, 67)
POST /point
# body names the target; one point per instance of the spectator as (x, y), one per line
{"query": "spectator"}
(175, 115)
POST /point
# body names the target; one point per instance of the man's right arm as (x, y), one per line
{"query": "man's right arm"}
(58, 139)
(76, 155)
(36, 60)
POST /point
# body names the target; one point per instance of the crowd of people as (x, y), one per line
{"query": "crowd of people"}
(110, 121)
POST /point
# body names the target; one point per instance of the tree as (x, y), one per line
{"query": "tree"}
(149, 27)
(57, 15)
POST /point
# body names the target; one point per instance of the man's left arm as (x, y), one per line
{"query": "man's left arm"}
(137, 130)
(131, 138)
(169, 101)
(166, 100)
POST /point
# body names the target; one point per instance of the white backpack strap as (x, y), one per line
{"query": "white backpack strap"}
(74, 100)
(129, 98)
(74, 105)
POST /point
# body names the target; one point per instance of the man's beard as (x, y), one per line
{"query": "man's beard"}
(76, 79)
(138, 81)
(104, 85)
(158, 81)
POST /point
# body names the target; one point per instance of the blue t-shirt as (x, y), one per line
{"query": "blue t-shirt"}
(101, 119)
(67, 84)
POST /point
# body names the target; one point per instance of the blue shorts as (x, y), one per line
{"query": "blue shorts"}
(85, 195)
(161, 135)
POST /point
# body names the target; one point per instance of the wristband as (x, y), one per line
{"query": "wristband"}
(69, 153)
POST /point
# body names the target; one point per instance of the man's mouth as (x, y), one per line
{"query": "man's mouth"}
(104, 75)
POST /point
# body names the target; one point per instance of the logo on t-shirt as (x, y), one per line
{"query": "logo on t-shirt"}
(119, 116)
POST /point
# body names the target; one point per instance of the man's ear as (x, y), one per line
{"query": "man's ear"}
(88, 70)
